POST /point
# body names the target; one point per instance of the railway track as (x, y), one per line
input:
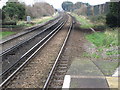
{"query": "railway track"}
(7, 44)
(15, 53)
(6, 52)
(20, 59)
(56, 76)
(60, 67)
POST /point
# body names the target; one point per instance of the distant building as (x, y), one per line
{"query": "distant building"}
(98, 9)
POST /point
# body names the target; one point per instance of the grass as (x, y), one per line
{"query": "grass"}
(11, 26)
(115, 52)
(101, 40)
(34, 21)
(93, 55)
(85, 24)
(5, 34)
(96, 22)
(104, 39)
(25, 24)
(45, 20)
(98, 19)
(96, 38)
(105, 43)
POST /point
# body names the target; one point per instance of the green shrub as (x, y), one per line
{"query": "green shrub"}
(113, 17)
(98, 18)
(11, 26)
(111, 20)
(96, 38)
(9, 23)
(104, 39)
(85, 24)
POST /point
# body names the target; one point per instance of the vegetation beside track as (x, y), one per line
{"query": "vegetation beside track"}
(96, 22)
(14, 15)
(84, 23)
(105, 42)
(102, 40)
(5, 34)
(34, 21)
(24, 24)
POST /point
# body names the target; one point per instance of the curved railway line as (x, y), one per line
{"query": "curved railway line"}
(14, 54)
(61, 65)
(17, 58)
(14, 59)
(56, 76)
(21, 37)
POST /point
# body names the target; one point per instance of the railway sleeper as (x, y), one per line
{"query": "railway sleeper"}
(53, 86)
(60, 71)
(56, 84)
(58, 78)
(57, 81)
(57, 75)
(62, 61)
(62, 67)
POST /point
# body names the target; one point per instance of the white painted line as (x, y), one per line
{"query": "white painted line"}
(66, 83)
(116, 72)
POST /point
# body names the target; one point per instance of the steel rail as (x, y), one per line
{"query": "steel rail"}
(31, 29)
(4, 53)
(43, 41)
(57, 59)
(29, 51)
(8, 69)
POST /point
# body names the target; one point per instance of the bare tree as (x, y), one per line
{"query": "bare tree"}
(82, 10)
(40, 9)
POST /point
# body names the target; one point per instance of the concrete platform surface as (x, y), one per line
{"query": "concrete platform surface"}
(88, 83)
(85, 74)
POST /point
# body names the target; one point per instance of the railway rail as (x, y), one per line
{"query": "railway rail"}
(16, 52)
(21, 61)
(7, 44)
(6, 52)
(59, 68)
(56, 76)
(57, 73)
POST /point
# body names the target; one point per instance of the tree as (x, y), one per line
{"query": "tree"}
(78, 5)
(113, 17)
(67, 6)
(14, 10)
(3, 15)
(40, 9)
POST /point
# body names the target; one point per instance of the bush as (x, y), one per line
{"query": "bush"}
(9, 23)
(111, 20)
(113, 17)
(11, 26)
(14, 10)
(104, 39)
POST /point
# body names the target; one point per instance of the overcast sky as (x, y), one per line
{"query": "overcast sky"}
(57, 3)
